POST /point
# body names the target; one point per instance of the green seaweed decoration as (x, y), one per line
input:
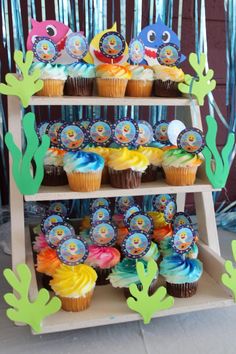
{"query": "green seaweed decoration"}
(143, 303)
(217, 172)
(25, 311)
(201, 85)
(28, 84)
(229, 280)
(21, 165)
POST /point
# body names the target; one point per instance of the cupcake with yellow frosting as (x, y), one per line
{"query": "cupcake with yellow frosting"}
(180, 167)
(74, 286)
(104, 152)
(166, 80)
(154, 156)
(141, 81)
(112, 80)
(126, 168)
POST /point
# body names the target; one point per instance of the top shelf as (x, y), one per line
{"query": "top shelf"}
(109, 101)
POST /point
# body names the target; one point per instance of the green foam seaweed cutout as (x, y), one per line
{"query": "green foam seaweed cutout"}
(28, 84)
(23, 310)
(202, 85)
(217, 172)
(229, 278)
(21, 163)
(143, 303)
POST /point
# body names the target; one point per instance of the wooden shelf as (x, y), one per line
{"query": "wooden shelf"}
(106, 191)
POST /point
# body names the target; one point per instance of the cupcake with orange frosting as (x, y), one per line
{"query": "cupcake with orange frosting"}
(154, 156)
(112, 80)
(54, 175)
(104, 152)
(161, 228)
(166, 80)
(47, 263)
(141, 81)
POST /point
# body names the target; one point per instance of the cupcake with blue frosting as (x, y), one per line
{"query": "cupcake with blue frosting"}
(84, 170)
(80, 79)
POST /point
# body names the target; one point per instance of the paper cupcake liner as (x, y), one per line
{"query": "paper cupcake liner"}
(76, 304)
(125, 178)
(46, 282)
(139, 88)
(79, 86)
(84, 182)
(105, 175)
(150, 174)
(51, 88)
(166, 88)
(151, 290)
(111, 87)
(182, 290)
(180, 176)
(102, 275)
(54, 176)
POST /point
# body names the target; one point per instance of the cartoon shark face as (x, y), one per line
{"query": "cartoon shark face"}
(57, 208)
(126, 129)
(103, 231)
(100, 215)
(70, 133)
(112, 42)
(53, 220)
(60, 232)
(183, 236)
(100, 129)
(136, 241)
(45, 46)
(141, 131)
(191, 139)
(73, 248)
(140, 222)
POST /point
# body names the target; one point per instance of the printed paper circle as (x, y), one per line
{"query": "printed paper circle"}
(160, 132)
(52, 130)
(49, 220)
(103, 234)
(191, 140)
(168, 54)
(72, 250)
(71, 136)
(145, 133)
(99, 202)
(45, 50)
(136, 244)
(58, 207)
(170, 210)
(41, 129)
(101, 214)
(181, 219)
(125, 131)
(124, 203)
(133, 209)
(56, 233)
(174, 128)
(136, 51)
(183, 239)
(76, 45)
(100, 132)
(112, 44)
(140, 222)
(160, 201)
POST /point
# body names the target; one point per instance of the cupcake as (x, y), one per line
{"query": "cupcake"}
(126, 168)
(112, 80)
(122, 232)
(104, 152)
(180, 167)
(54, 174)
(166, 80)
(161, 233)
(80, 79)
(53, 76)
(141, 81)
(154, 156)
(74, 286)
(84, 170)
(102, 259)
(47, 263)
(158, 219)
(153, 253)
(39, 243)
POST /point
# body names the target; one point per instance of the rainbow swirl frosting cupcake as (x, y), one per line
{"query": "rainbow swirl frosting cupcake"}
(104, 152)
(154, 156)
(80, 79)
(141, 81)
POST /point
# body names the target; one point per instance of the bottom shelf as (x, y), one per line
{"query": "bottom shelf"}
(109, 306)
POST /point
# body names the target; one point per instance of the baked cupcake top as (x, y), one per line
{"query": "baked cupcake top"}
(103, 257)
(123, 159)
(40, 243)
(141, 72)
(180, 158)
(153, 154)
(102, 151)
(50, 71)
(178, 270)
(165, 73)
(158, 218)
(54, 157)
(73, 282)
(112, 71)
(81, 70)
(47, 261)
(153, 253)
(83, 162)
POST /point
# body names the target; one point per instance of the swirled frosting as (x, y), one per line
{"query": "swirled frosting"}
(83, 70)
(165, 73)
(112, 71)
(180, 158)
(103, 257)
(74, 281)
(166, 249)
(162, 232)
(141, 72)
(54, 157)
(178, 270)
(40, 243)
(50, 71)
(153, 253)
(47, 261)
(153, 154)
(123, 159)
(158, 219)
(102, 151)
(81, 161)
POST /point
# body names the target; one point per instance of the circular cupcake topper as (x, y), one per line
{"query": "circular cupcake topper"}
(103, 234)
(160, 132)
(140, 222)
(49, 220)
(125, 131)
(45, 50)
(136, 51)
(168, 54)
(129, 212)
(174, 128)
(52, 132)
(181, 219)
(100, 132)
(56, 233)
(160, 201)
(136, 244)
(71, 136)
(99, 202)
(58, 207)
(101, 214)
(76, 45)
(41, 129)
(124, 203)
(145, 133)
(72, 250)
(112, 44)
(170, 210)
(183, 239)
(191, 140)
